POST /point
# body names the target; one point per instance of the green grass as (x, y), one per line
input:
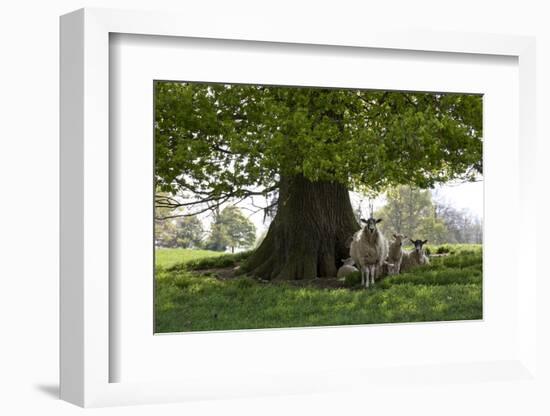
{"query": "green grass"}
(450, 288)
(170, 257)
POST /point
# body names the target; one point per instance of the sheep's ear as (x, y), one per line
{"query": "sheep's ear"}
(379, 220)
(364, 221)
(424, 242)
(411, 240)
(395, 236)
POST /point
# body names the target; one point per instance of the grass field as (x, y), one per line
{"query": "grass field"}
(168, 257)
(191, 296)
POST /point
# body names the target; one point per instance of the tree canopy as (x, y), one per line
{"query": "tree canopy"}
(217, 142)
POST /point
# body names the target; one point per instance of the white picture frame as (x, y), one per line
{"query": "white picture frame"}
(137, 61)
(86, 356)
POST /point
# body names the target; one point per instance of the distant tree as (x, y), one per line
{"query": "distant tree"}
(433, 229)
(186, 232)
(461, 226)
(231, 229)
(413, 212)
(241, 232)
(218, 240)
(189, 232)
(173, 231)
(165, 233)
(409, 211)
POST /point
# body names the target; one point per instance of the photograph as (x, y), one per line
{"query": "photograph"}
(305, 206)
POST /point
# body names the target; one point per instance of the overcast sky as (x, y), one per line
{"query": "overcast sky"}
(467, 196)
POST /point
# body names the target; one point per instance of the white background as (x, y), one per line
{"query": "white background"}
(29, 209)
(138, 60)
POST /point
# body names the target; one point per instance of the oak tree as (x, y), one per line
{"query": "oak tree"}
(304, 149)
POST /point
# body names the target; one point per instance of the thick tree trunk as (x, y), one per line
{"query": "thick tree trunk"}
(307, 237)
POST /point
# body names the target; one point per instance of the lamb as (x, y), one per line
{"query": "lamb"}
(395, 254)
(415, 257)
(347, 268)
(369, 250)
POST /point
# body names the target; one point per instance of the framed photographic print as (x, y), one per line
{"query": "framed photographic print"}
(267, 213)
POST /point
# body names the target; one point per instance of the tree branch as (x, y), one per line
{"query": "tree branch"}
(208, 208)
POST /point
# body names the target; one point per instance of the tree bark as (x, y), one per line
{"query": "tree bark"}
(308, 235)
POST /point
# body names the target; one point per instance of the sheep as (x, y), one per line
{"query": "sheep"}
(369, 250)
(395, 254)
(347, 268)
(415, 257)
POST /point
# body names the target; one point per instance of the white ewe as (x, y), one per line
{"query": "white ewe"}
(395, 254)
(369, 250)
(415, 257)
(347, 268)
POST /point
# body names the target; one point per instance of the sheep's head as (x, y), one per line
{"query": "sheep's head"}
(418, 245)
(348, 262)
(370, 224)
(399, 238)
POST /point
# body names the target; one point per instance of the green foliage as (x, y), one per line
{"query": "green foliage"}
(221, 139)
(165, 233)
(433, 229)
(240, 230)
(412, 212)
(174, 231)
(189, 232)
(352, 279)
(217, 240)
(184, 232)
(443, 276)
(211, 262)
(449, 289)
(405, 207)
(442, 249)
(231, 229)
